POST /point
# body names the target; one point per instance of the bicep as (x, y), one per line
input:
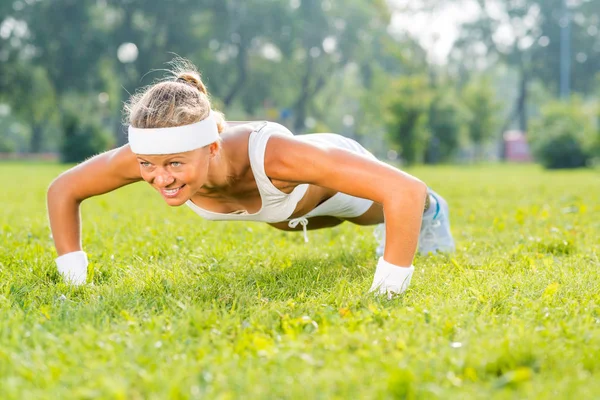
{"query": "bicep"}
(289, 159)
(100, 174)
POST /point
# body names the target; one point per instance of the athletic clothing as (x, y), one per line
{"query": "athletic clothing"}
(278, 206)
(340, 205)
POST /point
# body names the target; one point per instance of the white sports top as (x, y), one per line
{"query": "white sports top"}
(277, 206)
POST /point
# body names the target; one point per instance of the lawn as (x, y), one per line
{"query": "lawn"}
(186, 308)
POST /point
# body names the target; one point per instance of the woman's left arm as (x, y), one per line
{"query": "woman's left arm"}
(401, 195)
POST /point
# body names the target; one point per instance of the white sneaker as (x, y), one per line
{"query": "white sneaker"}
(435, 233)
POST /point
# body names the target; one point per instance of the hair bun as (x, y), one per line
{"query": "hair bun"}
(192, 79)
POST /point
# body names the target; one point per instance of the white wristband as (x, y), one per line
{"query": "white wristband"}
(391, 279)
(73, 267)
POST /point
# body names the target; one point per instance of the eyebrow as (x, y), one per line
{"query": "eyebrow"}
(167, 160)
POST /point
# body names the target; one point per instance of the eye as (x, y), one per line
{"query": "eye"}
(175, 164)
(145, 164)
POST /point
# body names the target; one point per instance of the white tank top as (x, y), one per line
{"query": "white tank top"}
(277, 206)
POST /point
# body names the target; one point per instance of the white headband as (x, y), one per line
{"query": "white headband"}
(177, 139)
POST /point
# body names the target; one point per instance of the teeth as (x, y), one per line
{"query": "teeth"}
(171, 191)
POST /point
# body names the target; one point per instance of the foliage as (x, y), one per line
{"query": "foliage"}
(262, 57)
(585, 47)
(84, 135)
(446, 122)
(526, 35)
(253, 54)
(187, 308)
(408, 106)
(12, 134)
(565, 135)
(425, 121)
(7, 144)
(83, 140)
(328, 37)
(480, 101)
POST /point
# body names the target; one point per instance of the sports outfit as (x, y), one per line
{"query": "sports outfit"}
(278, 206)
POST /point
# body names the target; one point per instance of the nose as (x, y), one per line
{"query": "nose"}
(163, 178)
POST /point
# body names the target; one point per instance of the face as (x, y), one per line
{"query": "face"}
(177, 177)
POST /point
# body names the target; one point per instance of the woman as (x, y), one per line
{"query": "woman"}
(253, 172)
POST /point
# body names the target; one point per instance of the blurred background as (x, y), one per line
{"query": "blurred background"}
(421, 81)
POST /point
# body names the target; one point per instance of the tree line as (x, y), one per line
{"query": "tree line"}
(315, 65)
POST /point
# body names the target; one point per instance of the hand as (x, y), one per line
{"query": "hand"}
(391, 279)
(73, 267)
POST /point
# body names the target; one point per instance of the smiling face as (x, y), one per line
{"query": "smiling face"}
(177, 102)
(177, 177)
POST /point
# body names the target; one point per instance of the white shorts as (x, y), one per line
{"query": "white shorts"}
(340, 205)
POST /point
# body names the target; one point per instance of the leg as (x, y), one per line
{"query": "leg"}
(373, 216)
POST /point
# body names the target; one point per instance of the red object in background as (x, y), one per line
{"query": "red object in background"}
(516, 147)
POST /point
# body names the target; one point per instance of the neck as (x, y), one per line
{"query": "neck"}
(220, 172)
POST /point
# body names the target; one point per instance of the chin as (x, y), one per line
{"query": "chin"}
(176, 202)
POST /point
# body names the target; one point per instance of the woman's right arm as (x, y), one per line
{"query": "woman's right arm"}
(98, 175)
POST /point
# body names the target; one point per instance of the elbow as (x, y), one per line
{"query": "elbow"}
(412, 192)
(420, 193)
(55, 187)
(60, 189)
(421, 188)
(416, 189)
(54, 191)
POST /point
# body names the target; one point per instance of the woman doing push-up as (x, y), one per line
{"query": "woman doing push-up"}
(255, 171)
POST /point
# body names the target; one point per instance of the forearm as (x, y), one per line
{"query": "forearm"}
(63, 215)
(403, 215)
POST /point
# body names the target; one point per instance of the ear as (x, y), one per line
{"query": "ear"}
(214, 148)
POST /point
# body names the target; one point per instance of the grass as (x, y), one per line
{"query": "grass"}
(186, 308)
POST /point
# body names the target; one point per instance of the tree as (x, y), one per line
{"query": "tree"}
(584, 57)
(57, 59)
(482, 107)
(482, 42)
(525, 34)
(445, 123)
(564, 135)
(250, 53)
(154, 33)
(326, 37)
(34, 100)
(408, 109)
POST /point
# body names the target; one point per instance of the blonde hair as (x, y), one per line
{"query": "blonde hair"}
(179, 99)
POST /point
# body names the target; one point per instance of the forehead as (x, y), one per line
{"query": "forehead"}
(157, 158)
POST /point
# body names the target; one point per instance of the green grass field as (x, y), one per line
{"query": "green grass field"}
(186, 308)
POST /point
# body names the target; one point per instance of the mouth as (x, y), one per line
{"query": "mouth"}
(170, 193)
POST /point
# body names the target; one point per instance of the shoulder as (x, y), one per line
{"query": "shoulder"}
(286, 156)
(237, 135)
(319, 162)
(100, 174)
(120, 161)
(234, 140)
